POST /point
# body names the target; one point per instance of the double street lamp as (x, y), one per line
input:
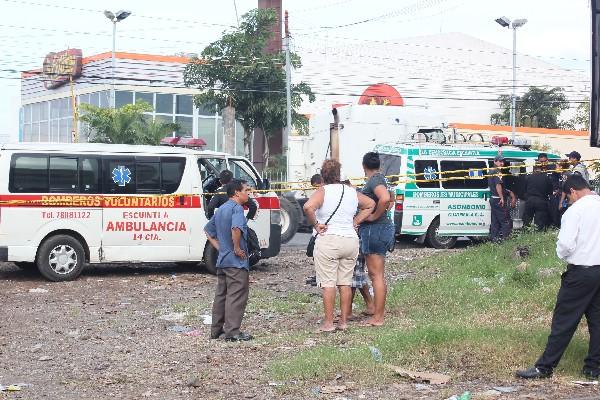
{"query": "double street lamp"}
(114, 17)
(517, 23)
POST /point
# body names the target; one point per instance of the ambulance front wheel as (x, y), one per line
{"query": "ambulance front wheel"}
(435, 240)
(60, 258)
(210, 259)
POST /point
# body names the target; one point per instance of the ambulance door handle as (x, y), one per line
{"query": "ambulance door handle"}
(181, 200)
(436, 202)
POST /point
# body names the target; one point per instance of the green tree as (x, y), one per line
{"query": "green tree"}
(234, 70)
(538, 108)
(124, 125)
(581, 119)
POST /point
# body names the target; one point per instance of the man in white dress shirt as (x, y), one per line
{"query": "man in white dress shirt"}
(579, 294)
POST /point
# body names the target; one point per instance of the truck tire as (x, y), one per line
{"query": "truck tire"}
(290, 218)
(60, 258)
(210, 259)
(436, 241)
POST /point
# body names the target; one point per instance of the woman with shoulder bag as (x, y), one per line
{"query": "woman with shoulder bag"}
(331, 210)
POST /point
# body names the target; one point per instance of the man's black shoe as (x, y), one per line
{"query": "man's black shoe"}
(216, 336)
(534, 373)
(591, 373)
(241, 337)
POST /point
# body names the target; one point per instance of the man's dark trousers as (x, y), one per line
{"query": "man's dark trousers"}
(231, 297)
(579, 295)
(537, 209)
(500, 225)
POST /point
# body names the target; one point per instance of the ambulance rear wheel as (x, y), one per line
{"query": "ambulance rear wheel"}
(60, 258)
(210, 259)
(435, 240)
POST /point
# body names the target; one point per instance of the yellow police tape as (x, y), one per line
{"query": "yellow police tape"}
(310, 187)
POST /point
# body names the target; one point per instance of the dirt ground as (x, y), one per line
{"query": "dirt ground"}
(107, 335)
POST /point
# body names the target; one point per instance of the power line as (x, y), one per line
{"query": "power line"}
(33, 3)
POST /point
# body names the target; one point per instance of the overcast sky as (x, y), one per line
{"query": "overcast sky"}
(557, 31)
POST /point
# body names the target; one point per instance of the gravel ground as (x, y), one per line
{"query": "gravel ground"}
(107, 335)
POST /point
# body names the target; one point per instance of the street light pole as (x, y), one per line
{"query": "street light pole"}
(112, 67)
(506, 23)
(513, 107)
(114, 18)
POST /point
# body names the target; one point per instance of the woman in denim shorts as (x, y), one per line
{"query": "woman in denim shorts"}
(377, 235)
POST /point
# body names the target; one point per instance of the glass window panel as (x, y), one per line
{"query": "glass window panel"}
(164, 103)
(147, 97)
(456, 179)
(29, 174)
(122, 98)
(206, 131)
(184, 105)
(44, 131)
(65, 125)
(27, 132)
(185, 126)
(475, 178)
(89, 175)
(65, 108)
(239, 172)
(35, 112)
(63, 175)
(44, 111)
(428, 172)
(54, 109)
(84, 99)
(172, 170)
(95, 99)
(54, 129)
(104, 99)
(119, 175)
(207, 110)
(35, 132)
(163, 118)
(390, 165)
(27, 113)
(148, 177)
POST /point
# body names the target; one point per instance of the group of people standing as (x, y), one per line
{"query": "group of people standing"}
(541, 193)
(353, 230)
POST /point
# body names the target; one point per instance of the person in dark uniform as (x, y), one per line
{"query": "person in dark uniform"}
(579, 292)
(218, 200)
(551, 169)
(501, 226)
(537, 207)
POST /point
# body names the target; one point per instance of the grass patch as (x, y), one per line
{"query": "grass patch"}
(470, 312)
(263, 302)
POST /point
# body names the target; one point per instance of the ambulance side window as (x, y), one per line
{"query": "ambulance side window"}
(90, 175)
(63, 175)
(171, 171)
(464, 174)
(240, 172)
(28, 174)
(147, 178)
(427, 174)
(119, 175)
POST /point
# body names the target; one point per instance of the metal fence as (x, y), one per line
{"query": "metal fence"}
(595, 184)
(274, 176)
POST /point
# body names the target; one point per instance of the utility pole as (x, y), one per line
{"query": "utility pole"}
(288, 95)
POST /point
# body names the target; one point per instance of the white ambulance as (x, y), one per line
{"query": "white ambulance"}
(62, 207)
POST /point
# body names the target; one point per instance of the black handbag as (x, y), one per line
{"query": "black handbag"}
(310, 248)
